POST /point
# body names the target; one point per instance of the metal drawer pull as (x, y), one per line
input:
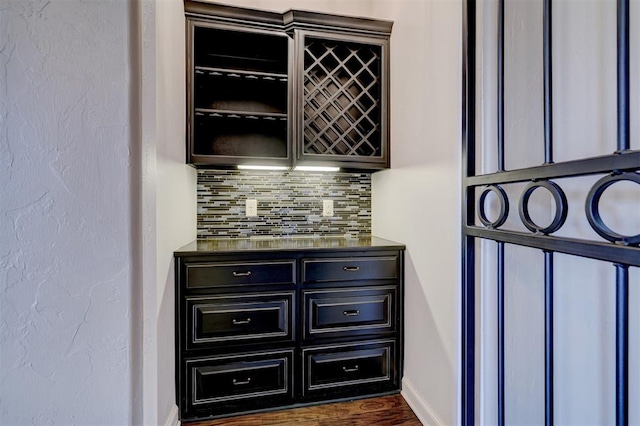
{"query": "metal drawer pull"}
(240, 322)
(241, 274)
(353, 313)
(240, 383)
(351, 268)
(350, 370)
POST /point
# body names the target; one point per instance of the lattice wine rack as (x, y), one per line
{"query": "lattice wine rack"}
(342, 98)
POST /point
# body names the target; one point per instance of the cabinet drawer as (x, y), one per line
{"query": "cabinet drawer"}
(349, 269)
(240, 318)
(340, 368)
(348, 312)
(229, 274)
(229, 380)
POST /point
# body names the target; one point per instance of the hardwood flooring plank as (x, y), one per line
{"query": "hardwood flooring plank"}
(386, 411)
(277, 418)
(382, 411)
(368, 419)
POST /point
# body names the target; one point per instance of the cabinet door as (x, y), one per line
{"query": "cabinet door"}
(239, 318)
(339, 313)
(326, 269)
(238, 95)
(239, 274)
(237, 382)
(342, 88)
(335, 371)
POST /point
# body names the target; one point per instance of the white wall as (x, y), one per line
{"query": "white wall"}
(67, 211)
(175, 185)
(417, 201)
(169, 197)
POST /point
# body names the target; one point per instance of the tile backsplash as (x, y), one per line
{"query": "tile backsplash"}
(289, 204)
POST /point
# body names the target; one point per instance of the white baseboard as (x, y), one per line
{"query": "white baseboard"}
(172, 418)
(419, 405)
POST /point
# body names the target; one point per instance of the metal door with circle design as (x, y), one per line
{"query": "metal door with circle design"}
(532, 111)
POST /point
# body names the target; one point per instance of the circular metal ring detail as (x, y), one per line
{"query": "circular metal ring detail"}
(504, 207)
(561, 207)
(592, 208)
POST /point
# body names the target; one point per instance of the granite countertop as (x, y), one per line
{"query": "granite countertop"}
(234, 245)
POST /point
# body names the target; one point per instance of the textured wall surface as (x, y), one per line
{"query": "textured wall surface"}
(289, 204)
(65, 219)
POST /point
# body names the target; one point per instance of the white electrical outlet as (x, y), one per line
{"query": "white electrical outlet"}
(327, 207)
(251, 207)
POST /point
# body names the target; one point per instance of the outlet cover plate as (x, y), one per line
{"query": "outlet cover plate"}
(327, 208)
(251, 208)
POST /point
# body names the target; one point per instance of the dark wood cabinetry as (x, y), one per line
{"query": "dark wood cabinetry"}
(344, 99)
(238, 103)
(258, 329)
(297, 88)
(346, 370)
(237, 318)
(235, 382)
(349, 312)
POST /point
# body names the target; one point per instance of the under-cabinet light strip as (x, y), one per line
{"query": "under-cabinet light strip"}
(316, 169)
(297, 168)
(255, 167)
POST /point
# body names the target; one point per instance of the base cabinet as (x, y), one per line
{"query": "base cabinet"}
(256, 330)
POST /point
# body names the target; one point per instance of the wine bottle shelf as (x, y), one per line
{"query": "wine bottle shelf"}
(240, 74)
(217, 113)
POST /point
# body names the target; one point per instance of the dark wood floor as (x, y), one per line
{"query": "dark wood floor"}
(383, 411)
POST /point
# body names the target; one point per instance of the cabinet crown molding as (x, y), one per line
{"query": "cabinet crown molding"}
(289, 20)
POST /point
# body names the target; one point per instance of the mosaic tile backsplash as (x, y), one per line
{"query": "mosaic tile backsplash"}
(289, 204)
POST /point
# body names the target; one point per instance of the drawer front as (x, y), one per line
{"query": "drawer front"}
(231, 274)
(234, 319)
(348, 312)
(345, 368)
(349, 269)
(230, 380)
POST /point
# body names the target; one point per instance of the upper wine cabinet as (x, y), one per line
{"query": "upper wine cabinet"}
(343, 100)
(298, 88)
(238, 96)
